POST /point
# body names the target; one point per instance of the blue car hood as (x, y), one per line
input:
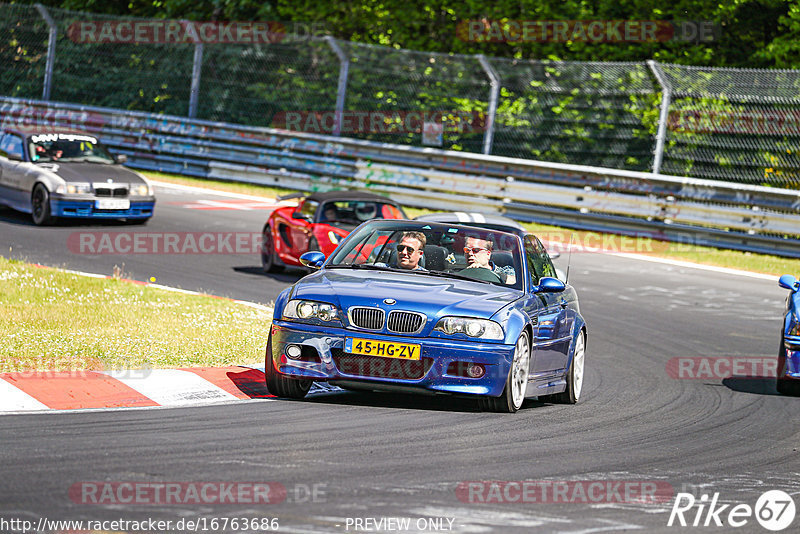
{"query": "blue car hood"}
(416, 292)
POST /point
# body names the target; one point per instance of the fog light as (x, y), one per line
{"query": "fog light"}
(475, 370)
(293, 351)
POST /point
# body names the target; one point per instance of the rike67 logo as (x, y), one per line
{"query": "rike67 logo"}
(774, 510)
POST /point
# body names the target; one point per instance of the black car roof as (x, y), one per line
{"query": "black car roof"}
(349, 195)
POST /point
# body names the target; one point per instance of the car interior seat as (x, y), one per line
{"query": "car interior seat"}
(434, 258)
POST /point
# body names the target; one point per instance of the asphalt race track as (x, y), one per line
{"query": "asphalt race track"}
(371, 457)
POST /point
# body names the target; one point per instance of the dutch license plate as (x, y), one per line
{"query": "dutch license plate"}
(384, 349)
(112, 204)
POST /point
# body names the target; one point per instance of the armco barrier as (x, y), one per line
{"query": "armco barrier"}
(736, 216)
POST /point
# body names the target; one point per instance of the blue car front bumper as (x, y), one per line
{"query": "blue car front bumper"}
(439, 369)
(86, 208)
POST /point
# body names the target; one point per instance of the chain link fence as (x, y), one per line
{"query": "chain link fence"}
(719, 124)
(733, 124)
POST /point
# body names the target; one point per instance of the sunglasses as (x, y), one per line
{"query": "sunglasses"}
(403, 248)
(474, 250)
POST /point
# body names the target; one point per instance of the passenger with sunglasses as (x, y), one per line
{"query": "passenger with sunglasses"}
(478, 253)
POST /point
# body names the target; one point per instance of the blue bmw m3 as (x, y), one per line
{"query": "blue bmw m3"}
(415, 306)
(788, 381)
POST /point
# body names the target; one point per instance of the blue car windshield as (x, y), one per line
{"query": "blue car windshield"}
(433, 249)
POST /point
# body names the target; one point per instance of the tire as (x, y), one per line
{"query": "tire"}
(279, 385)
(269, 260)
(40, 206)
(785, 386)
(516, 383)
(572, 393)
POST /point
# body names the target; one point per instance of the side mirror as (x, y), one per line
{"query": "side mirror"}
(300, 216)
(121, 158)
(554, 255)
(313, 259)
(549, 285)
(787, 281)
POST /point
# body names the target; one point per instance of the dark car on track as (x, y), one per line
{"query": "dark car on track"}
(319, 221)
(52, 173)
(362, 321)
(788, 381)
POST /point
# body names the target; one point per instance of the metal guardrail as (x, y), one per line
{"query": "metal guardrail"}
(745, 217)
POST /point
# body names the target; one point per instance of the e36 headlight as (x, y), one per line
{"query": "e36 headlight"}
(310, 310)
(479, 328)
(141, 190)
(74, 189)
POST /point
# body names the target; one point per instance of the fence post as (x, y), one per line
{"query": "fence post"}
(494, 81)
(341, 90)
(197, 67)
(666, 95)
(51, 51)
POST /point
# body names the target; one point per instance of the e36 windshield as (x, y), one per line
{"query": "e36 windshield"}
(67, 148)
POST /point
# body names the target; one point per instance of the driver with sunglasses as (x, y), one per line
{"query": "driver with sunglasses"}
(409, 251)
(478, 253)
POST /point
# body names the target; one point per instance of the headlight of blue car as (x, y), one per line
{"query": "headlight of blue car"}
(310, 311)
(477, 328)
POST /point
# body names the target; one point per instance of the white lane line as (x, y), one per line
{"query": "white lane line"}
(212, 191)
(159, 286)
(173, 387)
(690, 265)
(13, 399)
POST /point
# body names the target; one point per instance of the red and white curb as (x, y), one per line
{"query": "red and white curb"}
(45, 391)
(79, 390)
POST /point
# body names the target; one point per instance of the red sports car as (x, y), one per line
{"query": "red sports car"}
(319, 222)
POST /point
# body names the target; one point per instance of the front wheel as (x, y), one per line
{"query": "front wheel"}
(517, 382)
(40, 206)
(572, 393)
(279, 385)
(269, 261)
(785, 386)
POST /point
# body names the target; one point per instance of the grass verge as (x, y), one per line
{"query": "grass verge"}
(587, 241)
(58, 321)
